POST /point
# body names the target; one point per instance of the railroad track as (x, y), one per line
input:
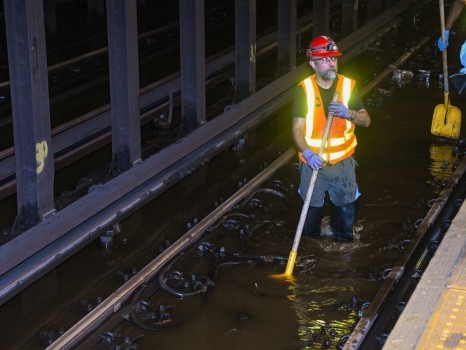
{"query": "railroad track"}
(381, 314)
(188, 267)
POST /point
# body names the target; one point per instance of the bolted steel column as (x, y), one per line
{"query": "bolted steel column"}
(287, 12)
(124, 83)
(321, 17)
(25, 30)
(245, 48)
(192, 50)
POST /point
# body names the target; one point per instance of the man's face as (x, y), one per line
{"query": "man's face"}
(326, 67)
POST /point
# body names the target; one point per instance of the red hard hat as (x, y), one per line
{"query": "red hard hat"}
(322, 46)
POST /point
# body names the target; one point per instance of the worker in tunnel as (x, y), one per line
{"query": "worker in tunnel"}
(314, 99)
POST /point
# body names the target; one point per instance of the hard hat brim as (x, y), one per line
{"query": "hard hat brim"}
(325, 53)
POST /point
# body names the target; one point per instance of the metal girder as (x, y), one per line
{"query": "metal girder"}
(192, 66)
(245, 48)
(24, 22)
(124, 83)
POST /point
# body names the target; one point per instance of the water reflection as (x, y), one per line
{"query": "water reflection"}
(325, 314)
(329, 298)
(442, 160)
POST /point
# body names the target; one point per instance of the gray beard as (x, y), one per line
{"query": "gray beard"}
(328, 75)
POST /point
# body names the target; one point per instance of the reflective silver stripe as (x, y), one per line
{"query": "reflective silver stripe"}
(314, 142)
(345, 98)
(338, 141)
(310, 110)
(336, 155)
(346, 91)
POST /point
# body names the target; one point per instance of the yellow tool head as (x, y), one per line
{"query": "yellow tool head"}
(446, 121)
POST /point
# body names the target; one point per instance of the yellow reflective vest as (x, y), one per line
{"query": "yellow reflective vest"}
(341, 140)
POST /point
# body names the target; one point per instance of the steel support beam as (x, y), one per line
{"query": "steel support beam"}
(124, 83)
(192, 68)
(24, 20)
(245, 48)
(287, 12)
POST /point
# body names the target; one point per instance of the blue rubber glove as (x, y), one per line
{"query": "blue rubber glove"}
(339, 109)
(440, 44)
(313, 160)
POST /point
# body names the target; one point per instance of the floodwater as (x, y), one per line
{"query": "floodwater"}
(400, 169)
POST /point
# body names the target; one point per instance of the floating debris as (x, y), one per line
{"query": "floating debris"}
(423, 74)
(401, 77)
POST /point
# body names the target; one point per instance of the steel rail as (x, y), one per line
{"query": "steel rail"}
(114, 302)
(34, 252)
(415, 264)
(365, 324)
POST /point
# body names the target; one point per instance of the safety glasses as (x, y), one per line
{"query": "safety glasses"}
(327, 59)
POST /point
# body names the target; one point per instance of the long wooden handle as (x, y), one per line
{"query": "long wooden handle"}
(444, 40)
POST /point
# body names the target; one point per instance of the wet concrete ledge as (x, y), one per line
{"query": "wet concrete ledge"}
(435, 316)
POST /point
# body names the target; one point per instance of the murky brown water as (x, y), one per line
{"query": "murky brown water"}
(398, 161)
(400, 168)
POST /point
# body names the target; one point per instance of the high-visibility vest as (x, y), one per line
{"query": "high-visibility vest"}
(341, 140)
